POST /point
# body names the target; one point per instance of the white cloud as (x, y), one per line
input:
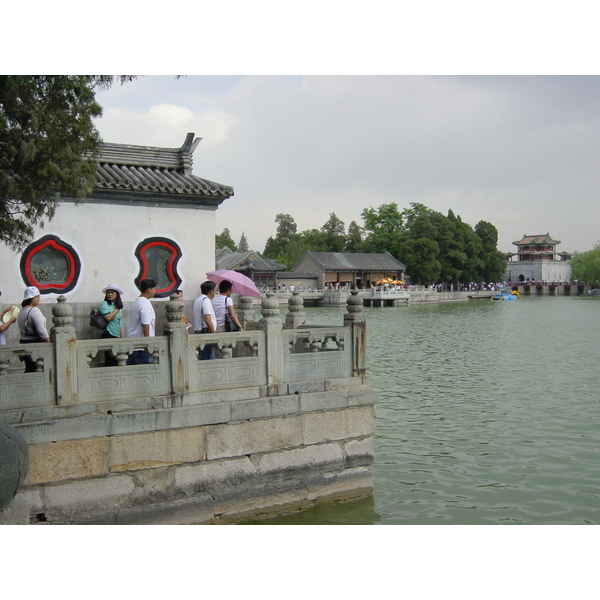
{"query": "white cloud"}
(159, 125)
(519, 152)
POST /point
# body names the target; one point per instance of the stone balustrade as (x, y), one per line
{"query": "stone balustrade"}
(268, 352)
(281, 419)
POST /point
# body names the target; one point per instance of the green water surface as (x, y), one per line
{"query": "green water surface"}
(488, 413)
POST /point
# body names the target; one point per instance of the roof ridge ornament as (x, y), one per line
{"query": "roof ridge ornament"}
(187, 150)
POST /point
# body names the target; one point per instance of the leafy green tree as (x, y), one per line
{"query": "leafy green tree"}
(270, 250)
(419, 256)
(313, 239)
(354, 238)
(224, 239)
(334, 235)
(469, 244)
(440, 248)
(48, 142)
(416, 210)
(286, 230)
(585, 266)
(293, 251)
(243, 244)
(450, 254)
(383, 226)
(494, 261)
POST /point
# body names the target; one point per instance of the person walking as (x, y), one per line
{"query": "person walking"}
(223, 305)
(111, 308)
(142, 321)
(32, 324)
(204, 316)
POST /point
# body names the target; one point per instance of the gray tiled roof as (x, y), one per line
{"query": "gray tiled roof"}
(236, 260)
(161, 171)
(151, 179)
(357, 261)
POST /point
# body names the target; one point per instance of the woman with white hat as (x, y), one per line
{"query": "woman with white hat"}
(111, 308)
(32, 324)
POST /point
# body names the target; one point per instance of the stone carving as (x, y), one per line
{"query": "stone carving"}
(62, 317)
(245, 312)
(174, 314)
(295, 316)
(270, 310)
(354, 306)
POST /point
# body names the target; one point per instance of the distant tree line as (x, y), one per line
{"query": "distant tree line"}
(585, 266)
(224, 239)
(434, 247)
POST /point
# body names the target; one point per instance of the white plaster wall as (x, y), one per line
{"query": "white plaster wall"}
(545, 270)
(106, 236)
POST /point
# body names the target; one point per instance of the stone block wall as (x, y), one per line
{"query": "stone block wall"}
(280, 451)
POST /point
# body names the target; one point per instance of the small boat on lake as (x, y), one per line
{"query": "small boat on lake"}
(506, 293)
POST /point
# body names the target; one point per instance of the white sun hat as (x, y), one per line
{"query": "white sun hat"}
(112, 286)
(31, 292)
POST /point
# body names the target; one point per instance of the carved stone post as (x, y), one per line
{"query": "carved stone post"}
(245, 313)
(273, 327)
(62, 335)
(355, 318)
(295, 316)
(176, 330)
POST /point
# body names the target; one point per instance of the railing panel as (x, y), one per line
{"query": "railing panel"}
(239, 361)
(24, 390)
(123, 382)
(317, 353)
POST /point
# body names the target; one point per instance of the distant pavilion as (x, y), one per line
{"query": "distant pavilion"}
(538, 260)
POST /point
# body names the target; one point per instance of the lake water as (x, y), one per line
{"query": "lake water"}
(488, 413)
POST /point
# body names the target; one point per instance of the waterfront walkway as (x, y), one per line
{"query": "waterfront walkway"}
(426, 294)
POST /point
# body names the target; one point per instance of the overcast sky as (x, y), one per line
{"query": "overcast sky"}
(518, 151)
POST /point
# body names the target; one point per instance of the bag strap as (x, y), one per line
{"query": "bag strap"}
(202, 304)
(202, 313)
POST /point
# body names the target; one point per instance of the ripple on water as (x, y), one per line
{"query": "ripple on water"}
(488, 413)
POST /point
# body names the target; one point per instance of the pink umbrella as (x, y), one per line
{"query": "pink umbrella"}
(242, 285)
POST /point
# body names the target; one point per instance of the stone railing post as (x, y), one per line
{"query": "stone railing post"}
(245, 312)
(295, 316)
(65, 352)
(176, 331)
(355, 318)
(272, 326)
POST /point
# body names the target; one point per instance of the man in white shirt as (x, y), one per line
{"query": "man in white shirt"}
(204, 316)
(142, 320)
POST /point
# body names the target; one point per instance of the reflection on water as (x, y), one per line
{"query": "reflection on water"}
(488, 413)
(355, 512)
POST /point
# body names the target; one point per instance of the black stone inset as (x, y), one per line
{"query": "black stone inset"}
(51, 265)
(158, 258)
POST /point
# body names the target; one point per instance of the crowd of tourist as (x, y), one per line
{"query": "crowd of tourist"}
(212, 313)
